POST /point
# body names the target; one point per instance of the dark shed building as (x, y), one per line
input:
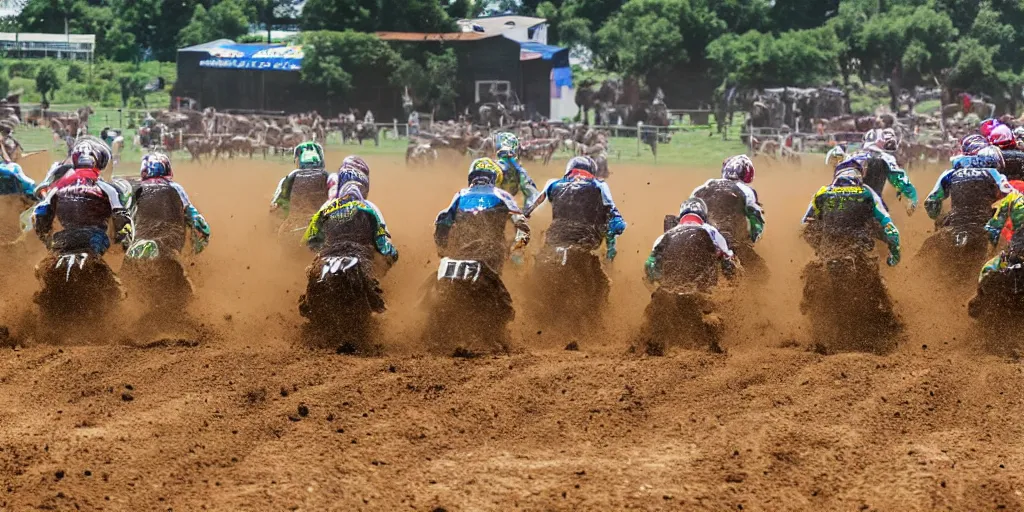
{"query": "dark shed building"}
(260, 77)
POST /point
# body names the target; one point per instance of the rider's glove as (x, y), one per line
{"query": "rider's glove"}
(911, 208)
(893, 259)
(993, 234)
(611, 252)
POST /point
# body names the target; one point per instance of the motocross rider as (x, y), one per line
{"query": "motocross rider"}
(479, 213)
(1009, 209)
(582, 209)
(1001, 136)
(355, 164)
(732, 203)
(515, 179)
(972, 185)
(59, 169)
(688, 253)
(347, 217)
(84, 204)
(162, 212)
(306, 183)
(881, 165)
(847, 209)
(14, 181)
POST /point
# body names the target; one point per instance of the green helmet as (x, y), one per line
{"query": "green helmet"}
(309, 155)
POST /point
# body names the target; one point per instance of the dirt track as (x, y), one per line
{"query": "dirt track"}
(249, 419)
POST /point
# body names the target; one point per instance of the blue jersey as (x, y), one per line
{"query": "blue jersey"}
(13, 181)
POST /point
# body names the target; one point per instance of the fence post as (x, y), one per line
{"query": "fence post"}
(639, 136)
(394, 128)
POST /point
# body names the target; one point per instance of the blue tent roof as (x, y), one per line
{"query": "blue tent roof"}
(547, 52)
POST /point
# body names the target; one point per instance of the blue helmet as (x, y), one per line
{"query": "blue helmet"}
(155, 165)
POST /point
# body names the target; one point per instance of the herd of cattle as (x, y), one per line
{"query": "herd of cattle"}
(212, 134)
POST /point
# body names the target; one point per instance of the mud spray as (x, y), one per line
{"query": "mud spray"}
(138, 415)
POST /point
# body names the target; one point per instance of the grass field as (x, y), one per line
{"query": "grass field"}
(697, 146)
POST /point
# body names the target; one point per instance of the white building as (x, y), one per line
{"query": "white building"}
(58, 46)
(517, 28)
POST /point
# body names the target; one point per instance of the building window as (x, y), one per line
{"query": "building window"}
(491, 91)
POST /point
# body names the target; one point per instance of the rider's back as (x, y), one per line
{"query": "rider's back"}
(578, 213)
(844, 211)
(82, 201)
(689, 257)
(876, 173)
(972, 190)
(308, 190)
(348, 222)
(1014, 169)
(160, 213)
(727, 207)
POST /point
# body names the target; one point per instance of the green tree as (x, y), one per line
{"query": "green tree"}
(650, 37)
(331, 58)
(376, 15)
(908, 46)
(338, 15)
(132, 87)
(229, 19)
(47, 80)
(800, 58)
(5, 80)
(76, 72)
(442, 72)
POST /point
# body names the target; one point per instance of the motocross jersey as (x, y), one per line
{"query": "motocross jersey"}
(162, 212)
(1009, 209)
(846, 213)
(56, 172)
(515, 180)
(972, 185)
(582, 211)
(83, 202)
(479, 214)
(732, 207)
(13, 181)
(688, 254)
(350, 219)
(882, 167)
(302, 189)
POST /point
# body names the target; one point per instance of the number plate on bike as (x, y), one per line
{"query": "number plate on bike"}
(458, 270)
(335, 264)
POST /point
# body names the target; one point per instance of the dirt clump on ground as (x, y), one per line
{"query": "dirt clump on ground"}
(227, 409)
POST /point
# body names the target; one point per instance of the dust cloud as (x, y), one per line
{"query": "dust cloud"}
(248, 417)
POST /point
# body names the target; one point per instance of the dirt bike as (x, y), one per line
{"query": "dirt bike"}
(1000, 295)
(342, 293)
(959, 247)
(156, 278)
(470, 308)
(682, 310)
(569, 281)
(846, 299)
(76, 282)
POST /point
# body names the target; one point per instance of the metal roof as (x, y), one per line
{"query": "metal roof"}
(206, 46)
(447, 36)
(29, 37)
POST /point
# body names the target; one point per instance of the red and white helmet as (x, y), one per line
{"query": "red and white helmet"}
(987, 126)
(739, 168)
(1002, 136)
